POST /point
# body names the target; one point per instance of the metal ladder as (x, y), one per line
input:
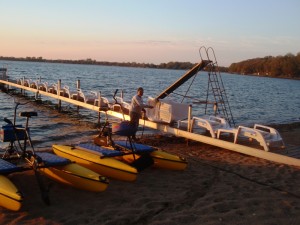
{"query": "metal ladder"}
(215, 87)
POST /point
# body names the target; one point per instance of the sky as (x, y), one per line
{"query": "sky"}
(149, 31)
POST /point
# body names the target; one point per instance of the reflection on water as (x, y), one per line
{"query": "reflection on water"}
(252, 99)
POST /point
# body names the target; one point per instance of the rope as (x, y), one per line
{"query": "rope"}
(189, 86)
(248, 179)
(144, 117)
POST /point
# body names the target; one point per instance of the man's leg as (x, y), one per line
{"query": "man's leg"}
(134, 120)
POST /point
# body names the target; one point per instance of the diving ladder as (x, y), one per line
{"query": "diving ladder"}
(215, 87)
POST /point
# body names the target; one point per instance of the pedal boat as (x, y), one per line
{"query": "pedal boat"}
(161, 159)
(97, 161)
(66, 172)
(10, 197)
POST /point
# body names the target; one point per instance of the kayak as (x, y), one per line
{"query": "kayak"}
(10, 197)
(162, 160)
(54, 167)
(64, 171)
(97, 161)
(141, 157)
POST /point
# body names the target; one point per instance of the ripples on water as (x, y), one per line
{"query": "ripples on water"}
(252, 99)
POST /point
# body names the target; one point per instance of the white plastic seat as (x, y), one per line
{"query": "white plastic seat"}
(266, 136)
(91, 98)
(65, 92)
(27, 83)
(43, 87)
(79, 96)
(52, 89)
(34, 84)
(211, 124)
(125, 105)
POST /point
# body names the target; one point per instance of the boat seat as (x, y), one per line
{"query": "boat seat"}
(50, 159)
(92, 98)
(26, 83)
(52, 89)
(104, 103)
(7, 167)
(210, 123)
(121, 106)
(66, 92)
(266, 136)
(103, 151)
(20, 81)
(34, 84)
(139, 148)
(226, 131)
(43, 87)
(124, 128)
(28, 114)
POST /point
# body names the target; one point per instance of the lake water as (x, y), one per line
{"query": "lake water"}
(252, 99)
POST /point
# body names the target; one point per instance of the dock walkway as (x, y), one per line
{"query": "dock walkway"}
(289, 156)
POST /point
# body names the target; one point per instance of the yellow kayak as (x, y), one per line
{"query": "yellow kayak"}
(161, 159)
(143, 157)
(97, 162)
(10, 197)
(64, 171)
(77, 176)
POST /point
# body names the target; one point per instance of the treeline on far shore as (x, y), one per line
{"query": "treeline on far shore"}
(287, 66)
(169, 65)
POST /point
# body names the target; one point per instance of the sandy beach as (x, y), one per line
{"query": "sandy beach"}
(218, 187)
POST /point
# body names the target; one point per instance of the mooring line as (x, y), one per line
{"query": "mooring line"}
(247, 178)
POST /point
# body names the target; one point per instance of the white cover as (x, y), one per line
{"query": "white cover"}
(166, 110)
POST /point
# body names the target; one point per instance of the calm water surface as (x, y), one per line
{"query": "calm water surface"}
(252, 99)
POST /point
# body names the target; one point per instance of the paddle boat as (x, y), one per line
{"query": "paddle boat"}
(10, 197)
(97, 161)
(161, 159)
(56, 168)
(137, 155)
(17, 158)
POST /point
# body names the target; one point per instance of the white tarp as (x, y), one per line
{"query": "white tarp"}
(167, 111)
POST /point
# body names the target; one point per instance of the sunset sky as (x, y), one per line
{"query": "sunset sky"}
(144, 31)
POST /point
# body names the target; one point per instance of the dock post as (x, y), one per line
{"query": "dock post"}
(78, 87)
(58, 93)
(23, 90)
(190, 125)
(189, 128)
(99, 105)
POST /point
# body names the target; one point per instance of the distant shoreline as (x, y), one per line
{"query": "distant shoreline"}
(169, 65)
